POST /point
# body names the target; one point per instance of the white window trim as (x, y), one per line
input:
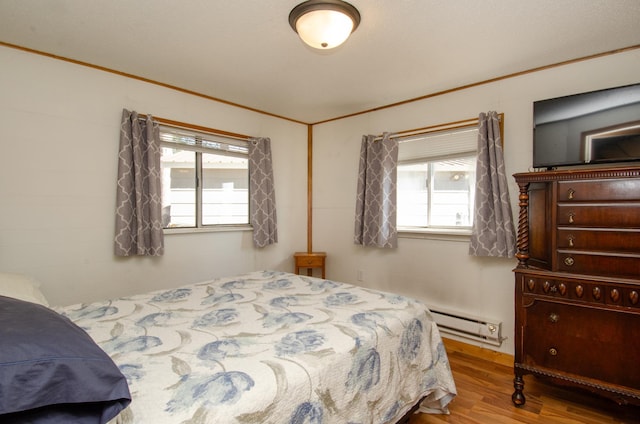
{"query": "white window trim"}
(219, 228)
(462, 234)
(448, 234)
(229, 138)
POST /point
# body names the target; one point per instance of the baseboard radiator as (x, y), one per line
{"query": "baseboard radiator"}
(478, 329)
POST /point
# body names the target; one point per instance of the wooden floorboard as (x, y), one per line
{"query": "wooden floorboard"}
(484, 380)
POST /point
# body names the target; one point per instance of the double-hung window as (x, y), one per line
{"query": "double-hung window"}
(205, 179)
(436, 180)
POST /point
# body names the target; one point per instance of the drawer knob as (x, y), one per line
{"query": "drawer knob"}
(570, 193)
(553, 351)
(615, 295)
(634, 297)
(554, 318)
(546, 286)
(597, 293)
(579, 290)
(562, 288)
(309, 261)
(568, 261)
(571, 238)
(571, 217)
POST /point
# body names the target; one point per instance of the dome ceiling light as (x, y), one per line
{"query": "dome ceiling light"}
(324, 24)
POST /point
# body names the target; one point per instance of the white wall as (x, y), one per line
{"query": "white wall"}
(59, 132)
(59, 128)
(439, 271)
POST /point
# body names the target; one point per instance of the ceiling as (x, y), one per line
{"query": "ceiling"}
(245, 52)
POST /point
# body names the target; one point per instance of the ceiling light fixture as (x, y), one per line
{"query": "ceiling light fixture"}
(324, 24)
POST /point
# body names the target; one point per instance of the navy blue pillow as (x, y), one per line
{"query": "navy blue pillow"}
(51, 371)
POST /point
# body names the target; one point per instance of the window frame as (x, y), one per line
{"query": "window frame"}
(199, 148)
(440, 232)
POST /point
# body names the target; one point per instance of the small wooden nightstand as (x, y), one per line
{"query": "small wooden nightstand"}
(310, 260)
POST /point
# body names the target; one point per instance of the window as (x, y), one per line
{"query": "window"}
(436, 179)
(205, 179)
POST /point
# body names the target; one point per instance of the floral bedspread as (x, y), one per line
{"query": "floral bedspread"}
(271, 347)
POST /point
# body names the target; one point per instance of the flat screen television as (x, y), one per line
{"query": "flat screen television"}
(597, 127)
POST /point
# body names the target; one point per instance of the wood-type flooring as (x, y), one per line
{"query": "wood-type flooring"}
(484, 380)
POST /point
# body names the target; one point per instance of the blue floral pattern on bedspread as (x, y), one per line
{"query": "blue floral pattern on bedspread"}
(271, 347)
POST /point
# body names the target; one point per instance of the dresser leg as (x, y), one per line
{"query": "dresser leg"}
(518, 397)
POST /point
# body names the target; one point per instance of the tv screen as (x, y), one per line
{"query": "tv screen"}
(596, 127)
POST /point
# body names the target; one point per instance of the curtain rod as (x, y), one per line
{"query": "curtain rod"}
(187, 126)
(440, 127)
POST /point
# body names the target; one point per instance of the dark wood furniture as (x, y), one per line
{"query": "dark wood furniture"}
(310, 260)
(577, 282)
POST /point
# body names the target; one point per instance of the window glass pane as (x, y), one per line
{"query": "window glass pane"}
(453, 191)
(178, 188)
(437, 193)
(205, 178)
(225, 189)
(413, 195)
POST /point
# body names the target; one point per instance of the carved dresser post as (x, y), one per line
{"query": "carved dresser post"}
(523, 225)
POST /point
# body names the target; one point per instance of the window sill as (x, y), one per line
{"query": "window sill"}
(450, 234)
(212, 229)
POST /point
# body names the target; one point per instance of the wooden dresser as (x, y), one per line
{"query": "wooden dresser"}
(577, 283)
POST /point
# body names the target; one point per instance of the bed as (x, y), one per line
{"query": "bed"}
(271, 347)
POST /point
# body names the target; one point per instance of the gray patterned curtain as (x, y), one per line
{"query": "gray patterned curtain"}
(139, 191)
(493, 232)
(375, 223)
(263, 195)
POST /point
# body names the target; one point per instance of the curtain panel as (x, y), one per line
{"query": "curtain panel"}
(375, 220)
(262, 204)
(139, 192)
(493, 232)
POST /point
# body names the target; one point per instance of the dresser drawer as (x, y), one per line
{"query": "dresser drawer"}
(611, 215)
(309, 260)
(574, 339)
(621, 240)
(598, 263)
(573, 290)
(614, 189)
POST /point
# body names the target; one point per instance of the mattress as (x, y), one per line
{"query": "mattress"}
(271, 347)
